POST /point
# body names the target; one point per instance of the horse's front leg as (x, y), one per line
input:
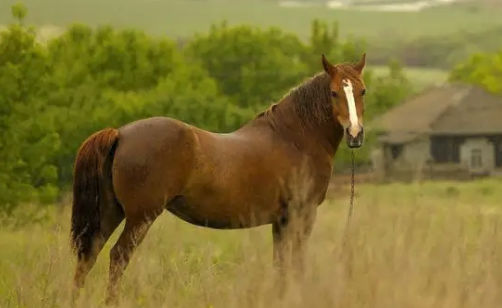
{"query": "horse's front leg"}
(303, 226)
(290, 237)
(282, 251)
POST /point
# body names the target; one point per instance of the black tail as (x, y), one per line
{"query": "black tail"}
(91, 182)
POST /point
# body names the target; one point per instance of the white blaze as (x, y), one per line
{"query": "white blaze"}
(354, 120)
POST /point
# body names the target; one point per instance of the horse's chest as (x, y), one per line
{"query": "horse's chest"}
(317, 184)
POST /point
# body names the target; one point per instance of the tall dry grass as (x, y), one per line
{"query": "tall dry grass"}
(416, 245)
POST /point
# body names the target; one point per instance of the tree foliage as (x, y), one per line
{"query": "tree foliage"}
(54, 95)
(481, 69)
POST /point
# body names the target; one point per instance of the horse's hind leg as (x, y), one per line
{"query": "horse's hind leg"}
(111, 217)
(133, 234)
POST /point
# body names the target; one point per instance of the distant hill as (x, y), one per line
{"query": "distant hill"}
(181, 18)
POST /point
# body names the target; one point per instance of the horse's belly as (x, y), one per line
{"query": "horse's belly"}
(216, 215)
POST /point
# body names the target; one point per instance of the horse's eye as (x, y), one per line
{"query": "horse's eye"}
(333, 93)
(363, 92)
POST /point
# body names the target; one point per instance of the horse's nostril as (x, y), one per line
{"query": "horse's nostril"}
(354, 132)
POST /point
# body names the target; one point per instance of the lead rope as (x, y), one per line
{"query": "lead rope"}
(346, 256)
(352, 195)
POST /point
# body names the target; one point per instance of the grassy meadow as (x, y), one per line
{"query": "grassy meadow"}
(181, 18)
(412, 245)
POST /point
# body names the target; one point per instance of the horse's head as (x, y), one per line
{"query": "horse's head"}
(348, 90)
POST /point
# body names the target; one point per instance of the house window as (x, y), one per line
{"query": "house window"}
(476, 158)
(396, 150)
(445, 149)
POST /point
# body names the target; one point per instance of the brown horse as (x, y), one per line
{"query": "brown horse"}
(220, 181)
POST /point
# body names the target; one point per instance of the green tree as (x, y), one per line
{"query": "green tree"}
(252, 66)
(326, 40)
(27, 130)
(481, 69)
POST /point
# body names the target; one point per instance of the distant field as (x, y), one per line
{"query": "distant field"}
(184, 17)
(420, 77)
(411, 245)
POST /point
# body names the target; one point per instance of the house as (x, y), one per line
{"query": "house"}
(451, 129)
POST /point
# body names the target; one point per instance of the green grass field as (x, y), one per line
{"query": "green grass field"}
(412, 245)
(184, 17)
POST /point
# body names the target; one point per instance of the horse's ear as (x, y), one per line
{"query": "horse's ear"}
(359, 66)
(328, 67)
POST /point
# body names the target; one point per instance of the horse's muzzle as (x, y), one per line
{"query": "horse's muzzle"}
(355, 141)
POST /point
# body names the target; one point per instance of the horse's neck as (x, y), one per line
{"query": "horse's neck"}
(311, 136)
(333, 133)
(326, 136)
